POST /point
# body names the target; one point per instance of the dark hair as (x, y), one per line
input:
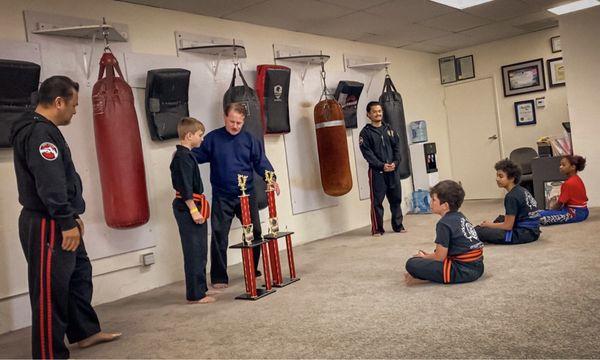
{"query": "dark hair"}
(237, 107)
(371, 104)
(512, 170)
(576, 160)
(56, 86)
(449, 191)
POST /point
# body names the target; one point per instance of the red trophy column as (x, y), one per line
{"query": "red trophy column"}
(247, 246)
(273, 236)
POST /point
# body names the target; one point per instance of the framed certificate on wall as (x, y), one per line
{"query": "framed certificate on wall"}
(525, 112)
(523, 77)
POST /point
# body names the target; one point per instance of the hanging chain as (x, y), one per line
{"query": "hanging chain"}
(323, 80)
(105, 33)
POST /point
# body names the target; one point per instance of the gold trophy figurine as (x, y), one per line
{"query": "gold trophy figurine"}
(273, 223)
(242, 183)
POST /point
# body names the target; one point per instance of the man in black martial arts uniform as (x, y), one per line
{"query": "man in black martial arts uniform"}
(50, 229)
(380, 146)
(458, 255)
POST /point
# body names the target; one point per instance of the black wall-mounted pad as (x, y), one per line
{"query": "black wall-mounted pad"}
(273, 87)
(19, 81)
(347, 95)
(166, 101)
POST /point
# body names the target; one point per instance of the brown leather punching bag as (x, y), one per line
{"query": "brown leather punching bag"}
(119, 149)
(334, 161)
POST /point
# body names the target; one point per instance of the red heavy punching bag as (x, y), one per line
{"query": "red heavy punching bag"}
(332, 145)
(119, 148)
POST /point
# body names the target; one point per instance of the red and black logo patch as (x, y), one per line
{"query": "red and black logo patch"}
(49, 151)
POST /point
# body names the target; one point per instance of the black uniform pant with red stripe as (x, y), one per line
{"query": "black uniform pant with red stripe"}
(433, 270)
(224, 208)
(60, 287)
(383, 185)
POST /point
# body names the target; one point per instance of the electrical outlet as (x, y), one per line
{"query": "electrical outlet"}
(148, 259)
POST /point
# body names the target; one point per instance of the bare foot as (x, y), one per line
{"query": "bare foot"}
(205, 300)
(403, 230)
(214, 292)
(219, 285)
(410, 281)
(98, 338)
(377, 234)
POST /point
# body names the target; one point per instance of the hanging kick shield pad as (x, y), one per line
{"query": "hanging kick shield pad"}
(119, 149)
(19, 81)
(166, 101)
(245, 95)
(393, 114)
(347, 95)
(272, 88)
(332, 146)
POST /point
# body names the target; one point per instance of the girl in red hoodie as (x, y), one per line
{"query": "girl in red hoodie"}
(571, 206)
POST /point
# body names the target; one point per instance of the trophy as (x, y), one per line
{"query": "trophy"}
(273, 223)
(247, 234)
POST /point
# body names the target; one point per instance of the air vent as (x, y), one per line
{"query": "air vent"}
(539, 25)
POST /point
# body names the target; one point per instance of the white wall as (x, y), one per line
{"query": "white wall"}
(151, 31)
(581, 49)
(490, 57)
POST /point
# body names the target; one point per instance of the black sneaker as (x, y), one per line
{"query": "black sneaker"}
(258, 273)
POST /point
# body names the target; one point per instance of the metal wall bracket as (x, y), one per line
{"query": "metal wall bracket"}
(217, 48)
(303, 56)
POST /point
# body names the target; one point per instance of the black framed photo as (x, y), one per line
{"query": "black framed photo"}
(556, 72)
(524, 77)
(525, 112)
(465, 69)
(447, 69)
(555, 44)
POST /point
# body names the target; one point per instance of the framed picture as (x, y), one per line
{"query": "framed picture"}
(525, 112)
(551, 192)
(555, 44)
(447, 69)
(465, 68)
(524, 77)
(556, 72)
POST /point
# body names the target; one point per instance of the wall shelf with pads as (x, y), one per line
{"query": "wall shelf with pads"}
(84, 31)
(218, 48)
(292, 54)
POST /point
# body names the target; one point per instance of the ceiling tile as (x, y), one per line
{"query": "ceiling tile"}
(492, 32)
(430, 48)
(409, 11)
(279, 14)
(216, 8)
(350, 26)
(501, 9)
(355, 4)
(415, 32)
(384, 40)
(455, 21)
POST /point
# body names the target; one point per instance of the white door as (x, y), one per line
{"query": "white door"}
(474, 137)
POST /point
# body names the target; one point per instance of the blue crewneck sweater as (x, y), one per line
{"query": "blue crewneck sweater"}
(230, 155)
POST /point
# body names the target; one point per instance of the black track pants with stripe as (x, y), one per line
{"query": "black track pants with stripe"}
(444, 272)
(60, 288)
(379, 190)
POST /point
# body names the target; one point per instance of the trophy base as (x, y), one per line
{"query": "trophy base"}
(260, 293)
(286, 282)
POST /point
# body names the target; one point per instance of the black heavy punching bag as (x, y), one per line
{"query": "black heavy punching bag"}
(245, 95)
(393, 114)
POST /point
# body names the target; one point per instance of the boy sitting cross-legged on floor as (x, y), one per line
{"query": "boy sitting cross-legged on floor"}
(458, 255)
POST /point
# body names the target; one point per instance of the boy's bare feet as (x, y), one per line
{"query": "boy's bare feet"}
(410, 281)
(205, 300)
(377, 234)
(98, 338)
(219, 285)
(213, 292)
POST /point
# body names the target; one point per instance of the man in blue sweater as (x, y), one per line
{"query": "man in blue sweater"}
(231, 151)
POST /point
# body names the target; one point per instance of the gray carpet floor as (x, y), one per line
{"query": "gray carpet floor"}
(539, 300)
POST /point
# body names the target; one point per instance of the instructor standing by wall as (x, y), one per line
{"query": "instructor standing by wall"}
(380, 146)
(50, 229)
(231, 151)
